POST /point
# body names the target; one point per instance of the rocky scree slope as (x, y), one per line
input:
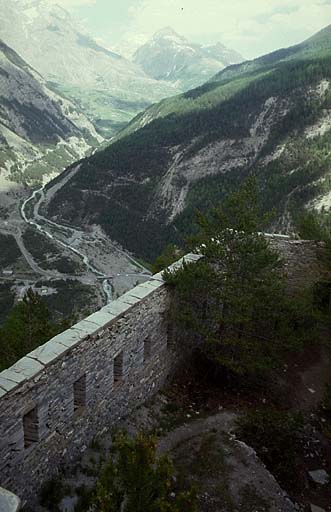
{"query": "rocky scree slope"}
(171, 57)
(40, 132)
(109, 88)
(190, 151)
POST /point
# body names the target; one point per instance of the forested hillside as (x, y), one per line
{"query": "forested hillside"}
(270, 117)
(40, 131)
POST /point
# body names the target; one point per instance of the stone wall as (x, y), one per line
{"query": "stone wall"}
(303, 260)
(57, 398)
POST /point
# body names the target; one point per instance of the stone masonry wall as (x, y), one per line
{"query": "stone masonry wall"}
(57, 398)
(303, 260)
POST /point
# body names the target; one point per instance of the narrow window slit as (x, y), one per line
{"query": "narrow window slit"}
(31, 428)
(170, 335)
(80, 393)
(118, 368)
(147, 348)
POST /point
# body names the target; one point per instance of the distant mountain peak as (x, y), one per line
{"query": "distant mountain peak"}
(166, 32)
(170, 56)
(109, 88)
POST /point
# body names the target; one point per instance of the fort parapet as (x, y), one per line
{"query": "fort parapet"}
(56, 399)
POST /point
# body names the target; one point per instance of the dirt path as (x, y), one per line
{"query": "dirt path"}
(310, 372)
(227, 472)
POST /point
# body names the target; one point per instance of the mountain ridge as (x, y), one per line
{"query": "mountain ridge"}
(189, 151)
(110, 91)
(169, 56)
(40, 132)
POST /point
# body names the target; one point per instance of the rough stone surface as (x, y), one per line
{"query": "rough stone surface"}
(44, 424)
(302, 260)
(44, 380)
(319, 476)
(8, 501)
(315, 508)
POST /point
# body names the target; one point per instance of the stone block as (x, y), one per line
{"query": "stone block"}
(8, 501)
(48, 352)
(27, 367)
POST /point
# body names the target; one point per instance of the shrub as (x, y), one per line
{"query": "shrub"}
(276, 437)
(136, 480)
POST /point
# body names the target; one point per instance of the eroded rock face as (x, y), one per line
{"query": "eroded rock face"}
(160, 174)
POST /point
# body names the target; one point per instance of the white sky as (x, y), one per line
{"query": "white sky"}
(252, 27)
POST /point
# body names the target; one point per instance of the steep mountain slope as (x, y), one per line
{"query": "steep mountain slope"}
(109, 88)
(40, 132)
(169, 56)
(271, 119)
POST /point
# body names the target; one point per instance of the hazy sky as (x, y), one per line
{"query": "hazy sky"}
(252, 27)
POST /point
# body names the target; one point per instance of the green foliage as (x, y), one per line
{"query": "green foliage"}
(85, 496)
(51, 494)
(9, 250)
(136, 480)
(131, 168)
(6, 300)
(47, 253)
(170, 254)
(276, 437)
(28, 325)
(315, 226)
(234, 299)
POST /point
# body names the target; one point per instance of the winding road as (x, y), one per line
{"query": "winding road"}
(37, 197)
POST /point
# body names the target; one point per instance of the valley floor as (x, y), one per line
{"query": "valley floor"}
(51, 258)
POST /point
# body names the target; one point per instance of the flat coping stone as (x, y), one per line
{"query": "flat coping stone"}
(153, 283)
(9, 502)
(68, 338)
(117, 307)
(143, 290)
(87, 327)
(5, 383)
(101, 317)
(129, 299)
(24, 369)
(48, 352)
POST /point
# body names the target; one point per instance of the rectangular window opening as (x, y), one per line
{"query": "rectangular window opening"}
(31, 428)
(170, 335)
(147, 348)
(118, 368)
(80, 393)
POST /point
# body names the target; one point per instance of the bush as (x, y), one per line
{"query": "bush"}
(276, 438)
(136, 480)
(51, 494)
(234, 299)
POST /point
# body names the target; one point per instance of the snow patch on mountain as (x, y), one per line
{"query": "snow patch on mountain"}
(171, 57)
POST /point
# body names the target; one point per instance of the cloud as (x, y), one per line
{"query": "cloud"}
(252, 26)
(74, 3)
